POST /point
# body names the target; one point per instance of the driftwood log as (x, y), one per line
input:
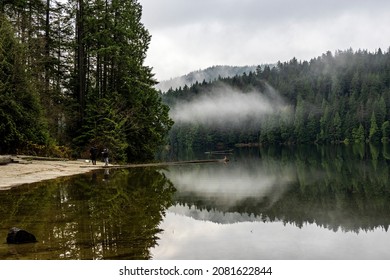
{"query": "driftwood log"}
(5, 160)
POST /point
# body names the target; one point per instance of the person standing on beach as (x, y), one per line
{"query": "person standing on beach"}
(105, 156)
(93, 152)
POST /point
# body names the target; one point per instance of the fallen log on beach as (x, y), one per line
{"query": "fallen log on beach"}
(4, 160)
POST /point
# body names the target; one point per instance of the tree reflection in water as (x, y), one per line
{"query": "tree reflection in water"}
(339, 187)
(98, 215)
(281, 203)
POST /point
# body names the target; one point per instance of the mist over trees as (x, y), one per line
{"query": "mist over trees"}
(334, 98)
(72, 74)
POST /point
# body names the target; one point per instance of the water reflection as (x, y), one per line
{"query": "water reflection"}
(100, 215)
(186, 238)
(289, 203)
(274, 203)
(336, 187)
(228, 187)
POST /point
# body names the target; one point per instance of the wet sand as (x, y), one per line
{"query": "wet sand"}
(25, 171)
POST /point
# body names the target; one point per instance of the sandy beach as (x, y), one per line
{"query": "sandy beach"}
(24, 171)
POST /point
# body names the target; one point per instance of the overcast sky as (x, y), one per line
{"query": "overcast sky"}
(189, 35)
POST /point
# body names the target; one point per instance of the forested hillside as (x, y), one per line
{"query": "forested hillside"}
(208, 75)
(340, 97)
(72, 75)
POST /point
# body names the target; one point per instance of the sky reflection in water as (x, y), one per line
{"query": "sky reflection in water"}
(187, 238)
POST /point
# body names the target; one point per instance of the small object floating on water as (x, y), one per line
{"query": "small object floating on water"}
(19, 236)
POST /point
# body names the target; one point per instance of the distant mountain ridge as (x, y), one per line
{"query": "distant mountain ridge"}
(208, 74)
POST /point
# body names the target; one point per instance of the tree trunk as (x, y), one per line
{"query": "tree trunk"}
(81, 61)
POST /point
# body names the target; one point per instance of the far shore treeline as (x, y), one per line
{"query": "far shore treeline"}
(72, 75)
(335, 98)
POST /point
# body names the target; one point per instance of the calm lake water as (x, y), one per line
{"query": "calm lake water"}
(275, 203)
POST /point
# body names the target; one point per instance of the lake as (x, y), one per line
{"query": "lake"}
(307, 202)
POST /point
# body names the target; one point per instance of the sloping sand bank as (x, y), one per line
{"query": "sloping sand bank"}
(17, 170)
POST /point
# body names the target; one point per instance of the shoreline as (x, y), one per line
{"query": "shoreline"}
(20, 170)
(26, 170)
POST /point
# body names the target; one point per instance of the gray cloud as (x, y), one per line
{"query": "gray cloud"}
(162, 14)
(188, 35)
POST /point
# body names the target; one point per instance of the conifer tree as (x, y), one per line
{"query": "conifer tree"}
(111, 49)
(21, 120)
(374, 135)
(385, 132)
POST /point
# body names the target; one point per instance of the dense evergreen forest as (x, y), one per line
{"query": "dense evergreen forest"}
(334, 98)
(72, 75)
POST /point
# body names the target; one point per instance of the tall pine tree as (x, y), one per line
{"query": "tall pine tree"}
(21, 119)
(111, 49)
